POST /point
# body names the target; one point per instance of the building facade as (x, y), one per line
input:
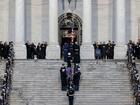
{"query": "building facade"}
(48, 20)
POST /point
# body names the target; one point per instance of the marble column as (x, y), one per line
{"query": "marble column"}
(87, 50)
(134, 21)
(20, 50)
(53, 49)
(121, 48)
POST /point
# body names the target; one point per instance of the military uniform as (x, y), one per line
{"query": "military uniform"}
(76, 54)
(76, 79)
(63, 76)
(70, 95)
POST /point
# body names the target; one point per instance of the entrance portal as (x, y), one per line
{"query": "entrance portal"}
(70, 29)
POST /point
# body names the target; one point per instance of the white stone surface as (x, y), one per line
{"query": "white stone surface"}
(87, 20)
(36, 20)
(53, 22)
(53, 49)
(120, 52)
(134, 21)
(53, 52)
(4, 20)
(120, 21)
(20, 49)
(20, 21)
(87, 50)
(103, 19)
(121, 49)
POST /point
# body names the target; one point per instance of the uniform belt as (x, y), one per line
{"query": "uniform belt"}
(71, 95)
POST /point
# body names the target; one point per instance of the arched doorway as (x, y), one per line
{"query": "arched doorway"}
(70, 28)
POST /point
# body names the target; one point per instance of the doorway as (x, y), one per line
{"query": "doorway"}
(70, 29)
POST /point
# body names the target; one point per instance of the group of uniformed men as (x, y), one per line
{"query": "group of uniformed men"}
(71, 52)
(103, 50)
(70, 78)
(34, 51)
(4, 49)
(134, 48)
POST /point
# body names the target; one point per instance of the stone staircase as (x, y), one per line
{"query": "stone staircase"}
(102, 83)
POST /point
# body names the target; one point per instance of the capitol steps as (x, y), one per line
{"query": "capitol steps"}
(102, 83)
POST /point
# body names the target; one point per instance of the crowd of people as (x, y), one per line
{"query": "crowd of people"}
(36, 51)
(104, 50)
(4, 49)
(71, 52)
(134, 48)
(7, 79)
(134, 75)
(70, 79)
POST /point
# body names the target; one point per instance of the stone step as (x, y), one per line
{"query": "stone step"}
(102, 83)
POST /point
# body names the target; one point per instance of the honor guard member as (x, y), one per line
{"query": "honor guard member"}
(76, 79)
(63, 76)
(76, 53)
(65, 51)
(70, 95)
(71, 50)
(69, 59)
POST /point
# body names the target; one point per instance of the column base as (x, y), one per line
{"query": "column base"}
(20, 51)
(87, 52)
(53, 52)
(120, 52)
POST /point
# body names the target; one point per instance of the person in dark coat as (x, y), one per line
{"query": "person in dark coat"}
(33, 51)
(39, 54)
(28, 50)
(43, 50)
(63, 76)
(103, 50)
(95, 46)
(70, 94)
(65, 51)
(138, 50)
(69, 59)
(137, 98)
(71, 50)
(76, 79)
(1, 50)
(98, 52)
(5, 50)
(76, 53)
